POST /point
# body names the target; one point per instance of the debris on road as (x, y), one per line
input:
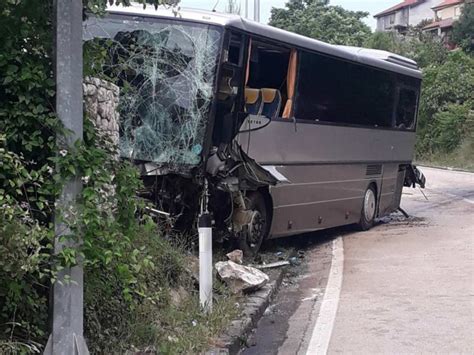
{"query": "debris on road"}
(241, 278)
(273, 265)
(294, 261)
(236, 256)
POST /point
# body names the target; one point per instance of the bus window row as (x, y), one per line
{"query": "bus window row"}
(290, 83)
(337, 91)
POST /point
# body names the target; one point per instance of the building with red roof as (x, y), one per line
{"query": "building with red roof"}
(407, 13)
(445, 13)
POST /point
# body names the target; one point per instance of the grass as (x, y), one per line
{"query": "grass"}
(153, 320)
(461, 158)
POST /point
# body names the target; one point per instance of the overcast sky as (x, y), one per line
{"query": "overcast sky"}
(372, 6)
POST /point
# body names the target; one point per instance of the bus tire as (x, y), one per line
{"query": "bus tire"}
(369, 208)
(258, 229)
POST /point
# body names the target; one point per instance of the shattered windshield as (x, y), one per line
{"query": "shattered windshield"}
(166, 74)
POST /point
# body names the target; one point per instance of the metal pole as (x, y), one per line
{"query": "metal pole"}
(67, 296)
(205, 261)
(256, 10)
(246, 8)
(205, 252)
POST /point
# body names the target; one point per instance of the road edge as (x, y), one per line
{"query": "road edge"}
(322, 331)
(234, 338)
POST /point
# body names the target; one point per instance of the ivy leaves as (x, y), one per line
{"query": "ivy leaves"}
(99, 6)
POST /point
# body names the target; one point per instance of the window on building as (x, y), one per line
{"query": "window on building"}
(457, 11)
(337, 91)
(392, 19)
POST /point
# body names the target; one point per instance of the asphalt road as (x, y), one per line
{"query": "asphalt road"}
(406, 286)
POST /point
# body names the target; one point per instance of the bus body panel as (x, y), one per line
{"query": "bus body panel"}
(328, 169)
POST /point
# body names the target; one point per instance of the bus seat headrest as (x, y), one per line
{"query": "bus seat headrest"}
(251, 95)
(269, 95)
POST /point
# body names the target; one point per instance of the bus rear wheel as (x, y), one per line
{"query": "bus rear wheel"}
(369, 208)
(258, 228)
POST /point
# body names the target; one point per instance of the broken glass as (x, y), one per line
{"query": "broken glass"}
(166, 73)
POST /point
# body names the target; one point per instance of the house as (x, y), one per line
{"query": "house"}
(407, 13)
(445, 13)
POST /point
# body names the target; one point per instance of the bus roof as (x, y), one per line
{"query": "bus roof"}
(372, 57)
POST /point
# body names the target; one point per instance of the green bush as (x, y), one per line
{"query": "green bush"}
(451, 125)
(463, 29)
(31, 174)
(24, 263)
(423, 48)
(446, 94)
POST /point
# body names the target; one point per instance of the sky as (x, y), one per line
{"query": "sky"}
(371, 6)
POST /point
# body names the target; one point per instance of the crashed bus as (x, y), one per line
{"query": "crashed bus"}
(273, 133)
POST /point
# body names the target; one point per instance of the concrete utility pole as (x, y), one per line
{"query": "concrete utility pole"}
(256, 10)
(246, 8)
(67, 296)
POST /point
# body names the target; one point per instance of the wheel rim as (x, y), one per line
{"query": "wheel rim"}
(255, 230)
(369, 205)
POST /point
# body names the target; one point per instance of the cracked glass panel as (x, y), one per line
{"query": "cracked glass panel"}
(166, 73)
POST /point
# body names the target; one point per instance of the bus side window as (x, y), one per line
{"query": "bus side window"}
(267, 72)
(340, 92)
(234, 53)
(406, 109)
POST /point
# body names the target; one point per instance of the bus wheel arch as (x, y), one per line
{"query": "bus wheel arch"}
(369, 207)
(261, 204)
(265, 191)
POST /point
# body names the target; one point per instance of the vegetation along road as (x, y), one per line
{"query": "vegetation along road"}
(406, 286)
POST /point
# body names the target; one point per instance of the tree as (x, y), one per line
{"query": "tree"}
(319, 20)
(463, 29)
(387, 41)
(423, 48)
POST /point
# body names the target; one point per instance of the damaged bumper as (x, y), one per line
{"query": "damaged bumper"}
(413, 177)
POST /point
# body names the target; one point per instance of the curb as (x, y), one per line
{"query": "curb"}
(253, 308)
(444, 168)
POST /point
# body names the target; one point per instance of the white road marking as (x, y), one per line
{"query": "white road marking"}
(322, 330)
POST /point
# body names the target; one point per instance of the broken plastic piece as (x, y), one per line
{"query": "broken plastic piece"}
(273, 265)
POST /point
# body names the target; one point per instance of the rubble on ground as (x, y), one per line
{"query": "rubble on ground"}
(241, 278)
(236, 256)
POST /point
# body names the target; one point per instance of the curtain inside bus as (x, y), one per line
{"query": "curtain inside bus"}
(247, 72)
(290, 83)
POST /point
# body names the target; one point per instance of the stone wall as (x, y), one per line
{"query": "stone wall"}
(101, 99)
